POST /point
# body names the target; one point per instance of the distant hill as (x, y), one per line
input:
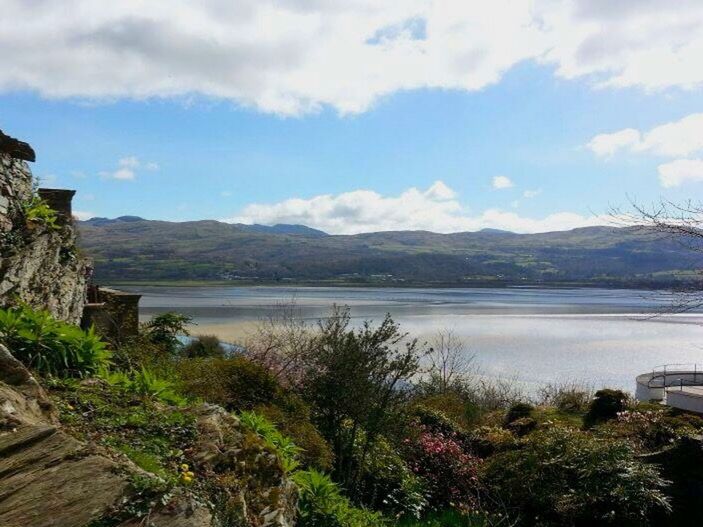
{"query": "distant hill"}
(132, 248)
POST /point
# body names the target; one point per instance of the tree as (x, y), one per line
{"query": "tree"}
(356, 381)
(164, 329)
(450, 362)
(682, 223)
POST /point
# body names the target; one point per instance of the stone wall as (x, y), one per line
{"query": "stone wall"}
(39, 263)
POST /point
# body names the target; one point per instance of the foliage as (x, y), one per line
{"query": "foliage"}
(567, 477)
(651, 430)
(236, 383)
(145, 383)
(519, 411)
(294, 421)
(37, 211)
(384, 481)
(606, 405)
(203, 346)
(51, 346)
(567, 397)
(284, 446)
(154, 436)
(164, 329)
(322, 504)
(353, 383)
(488, 440)
(452, 405)
(451, 518)
(449, 471)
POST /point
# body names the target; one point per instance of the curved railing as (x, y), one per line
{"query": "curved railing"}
(651, 386)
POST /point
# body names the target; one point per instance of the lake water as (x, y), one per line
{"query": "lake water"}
(602, 337)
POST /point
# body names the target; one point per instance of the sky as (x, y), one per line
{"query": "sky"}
(362, 115)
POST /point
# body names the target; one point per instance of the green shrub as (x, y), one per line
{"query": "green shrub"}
(165, 328)
(145, 384)
(236, 383)
(384, 481)
(518, 411)
(568, 397)
(606, 405)
(203, 346)
(50, 346)
(321, 504)
(284, 446)
(450, 518)
(315, 452)
(37, 211)
(522, 426)
(566, 477)
(457, 407)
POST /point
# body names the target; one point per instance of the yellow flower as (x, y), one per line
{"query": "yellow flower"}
(187, 479)
(189, 474)
(184, 467)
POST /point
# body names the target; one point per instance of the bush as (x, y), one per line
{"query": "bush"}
(321, 504)
(518, 411)
(568, 477)
(236, 383)
(203, 346)
(315, 452)
(487, 440)
(284, 446)
(451, 518)
(50, 346)
(651, 430)
(164, 330)
(606, 405)
(523, 426)
(145, 384)
(37, 212)
(567, 397)
(449, 472)
(384, 481)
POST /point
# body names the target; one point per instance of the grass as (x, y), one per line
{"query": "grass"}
(153, 435)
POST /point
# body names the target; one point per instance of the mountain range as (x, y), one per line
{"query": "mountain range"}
(130, 248)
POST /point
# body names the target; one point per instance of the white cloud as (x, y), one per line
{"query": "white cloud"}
(677, 138)
(502, 182)
(123, 173)
(605, 145)
(680, 171)
(83, 215)
(127, 168)
(129, 162)
(529, 194)
(367, 211)
(296, 56)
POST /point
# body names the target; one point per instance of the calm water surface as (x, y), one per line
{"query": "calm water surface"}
(598, 336)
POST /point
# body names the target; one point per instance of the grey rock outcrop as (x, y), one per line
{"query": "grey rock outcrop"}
(50, 479)
(39, 264)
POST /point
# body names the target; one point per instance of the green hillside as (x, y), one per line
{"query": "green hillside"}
(134, 249)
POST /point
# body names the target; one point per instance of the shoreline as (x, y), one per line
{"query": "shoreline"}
(370, 285)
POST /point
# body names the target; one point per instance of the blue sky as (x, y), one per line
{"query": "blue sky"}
(513, 150)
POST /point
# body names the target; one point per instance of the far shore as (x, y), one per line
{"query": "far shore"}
(487, 284)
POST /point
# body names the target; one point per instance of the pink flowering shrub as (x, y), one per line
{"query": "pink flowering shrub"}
(450, 473)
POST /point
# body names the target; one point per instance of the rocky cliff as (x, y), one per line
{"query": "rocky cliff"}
(39, 263)
(49, 478)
